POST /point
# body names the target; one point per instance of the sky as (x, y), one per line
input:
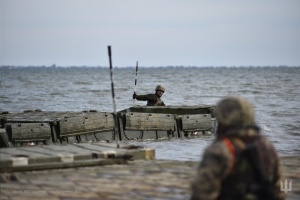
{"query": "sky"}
(153, 32)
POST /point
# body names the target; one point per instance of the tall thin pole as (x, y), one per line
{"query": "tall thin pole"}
(113, 97)
(136, 72)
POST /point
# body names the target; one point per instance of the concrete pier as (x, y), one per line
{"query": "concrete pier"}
(133, 179)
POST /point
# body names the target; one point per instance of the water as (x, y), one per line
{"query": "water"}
(274, 91)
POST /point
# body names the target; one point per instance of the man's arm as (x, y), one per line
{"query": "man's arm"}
(147, 97)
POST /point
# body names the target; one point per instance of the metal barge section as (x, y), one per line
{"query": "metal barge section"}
(155, 122)
(134, 123)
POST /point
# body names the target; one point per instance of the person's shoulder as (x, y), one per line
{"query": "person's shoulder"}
(265, 140)
(217, 158)
(216, 149)
(267, 144)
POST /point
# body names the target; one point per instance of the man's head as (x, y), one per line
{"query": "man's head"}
(159, 90)
(234, 112)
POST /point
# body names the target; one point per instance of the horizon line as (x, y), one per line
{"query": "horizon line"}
(165, 66)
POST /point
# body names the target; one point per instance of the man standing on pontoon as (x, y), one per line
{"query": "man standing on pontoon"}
(152, 99)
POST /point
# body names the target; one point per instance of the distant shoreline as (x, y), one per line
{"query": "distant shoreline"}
(130, 67)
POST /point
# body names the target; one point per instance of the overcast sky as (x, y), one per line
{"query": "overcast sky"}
(153, 32)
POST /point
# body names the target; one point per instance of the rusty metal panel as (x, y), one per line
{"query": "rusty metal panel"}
(86, 123)
(196, 122)
(71, 125)
(30, 131)
(99, 121)
(149, 121)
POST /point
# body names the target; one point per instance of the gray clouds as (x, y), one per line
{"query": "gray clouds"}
(157, 33)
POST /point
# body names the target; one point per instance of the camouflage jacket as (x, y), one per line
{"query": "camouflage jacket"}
(152, 99)
(225, 172)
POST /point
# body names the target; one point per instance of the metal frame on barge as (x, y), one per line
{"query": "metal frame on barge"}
(33, 127)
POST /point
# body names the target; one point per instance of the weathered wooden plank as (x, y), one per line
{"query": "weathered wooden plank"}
(66, 149)
(4, 156)
(71, 125)
(51, 152)
(149, 121)
(85, 123)
(20, 151)
(30, 131)
(196, 122)
(99, 121)
(35, 158)
(61, 165)
(109, 145)
(91, 147)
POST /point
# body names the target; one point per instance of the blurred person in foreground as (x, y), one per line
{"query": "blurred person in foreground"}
(240, 163)
(152, 99)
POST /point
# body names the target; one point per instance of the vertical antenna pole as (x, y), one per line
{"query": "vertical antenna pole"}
(136, 72)
(117, 133)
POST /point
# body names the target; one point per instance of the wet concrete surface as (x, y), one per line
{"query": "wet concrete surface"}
(138, 179)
